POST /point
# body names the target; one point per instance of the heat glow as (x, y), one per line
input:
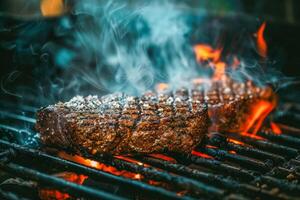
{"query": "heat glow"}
(199, 154)
(275, 128)
(101, 166)
(48, 194)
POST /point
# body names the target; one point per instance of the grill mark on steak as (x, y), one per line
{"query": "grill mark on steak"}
(120, 124)
(173, 120)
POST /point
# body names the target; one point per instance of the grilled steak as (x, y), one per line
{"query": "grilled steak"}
(120, 124)
(232, 105)
(172, 121)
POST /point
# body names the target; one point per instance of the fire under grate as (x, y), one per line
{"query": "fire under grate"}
(224, 166)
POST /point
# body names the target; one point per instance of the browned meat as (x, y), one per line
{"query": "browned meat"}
(173, 121)
(120, 124)
(231, 105)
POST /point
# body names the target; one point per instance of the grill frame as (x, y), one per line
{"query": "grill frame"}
(276, 150)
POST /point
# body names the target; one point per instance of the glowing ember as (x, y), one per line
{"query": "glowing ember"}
(260, 42)
(275, 128)
(232, 152)
(52, 8)
(203, 155)
(46, 194)
(163, 157)
(101, 166)
(211, 147)
(129, 160)
(236, 142)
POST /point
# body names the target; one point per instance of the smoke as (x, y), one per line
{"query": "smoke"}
(118, 46)
(127, 48)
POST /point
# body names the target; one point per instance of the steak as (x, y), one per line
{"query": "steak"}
(121, 124)
(173, 120)
(232, 105)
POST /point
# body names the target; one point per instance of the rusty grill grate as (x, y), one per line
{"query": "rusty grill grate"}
(230, 166)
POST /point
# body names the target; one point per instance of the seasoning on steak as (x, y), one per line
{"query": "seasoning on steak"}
(120, 124)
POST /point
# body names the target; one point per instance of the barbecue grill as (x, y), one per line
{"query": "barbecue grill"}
(38, 41)
(232, 166)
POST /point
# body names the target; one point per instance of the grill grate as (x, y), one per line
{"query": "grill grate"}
(231, 166)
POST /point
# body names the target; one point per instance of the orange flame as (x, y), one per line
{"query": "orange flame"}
(219, 70)
(47, 194)
(100, 166)
(203, 155)
(205, 52)
(52, 8)
(261, 42)
(275, 128)
(259, 112)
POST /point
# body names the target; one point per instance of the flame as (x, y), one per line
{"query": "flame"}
(203, 155)
(261, 42)
(47, 194)
(259, 112)
(100, 166)
(219, 71)
(275, 128)
(52, 8)
(205, 52)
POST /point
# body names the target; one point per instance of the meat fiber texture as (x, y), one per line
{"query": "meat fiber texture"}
(120, 124)
(173, 120)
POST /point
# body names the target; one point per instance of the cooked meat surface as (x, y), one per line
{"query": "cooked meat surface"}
(155, 122)
(120, 124)
(232, 105)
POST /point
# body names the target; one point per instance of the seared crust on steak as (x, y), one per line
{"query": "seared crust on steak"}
(155, 122)
(231, 105)
(121, 124)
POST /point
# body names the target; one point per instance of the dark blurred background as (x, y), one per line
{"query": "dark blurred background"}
(29, 66)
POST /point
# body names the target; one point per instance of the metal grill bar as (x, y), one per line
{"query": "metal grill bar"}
(58, 183)
(244, 171)
(96, 174)
(154, 174)
(209, 178)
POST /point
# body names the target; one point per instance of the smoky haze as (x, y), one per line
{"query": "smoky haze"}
(124, 48)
